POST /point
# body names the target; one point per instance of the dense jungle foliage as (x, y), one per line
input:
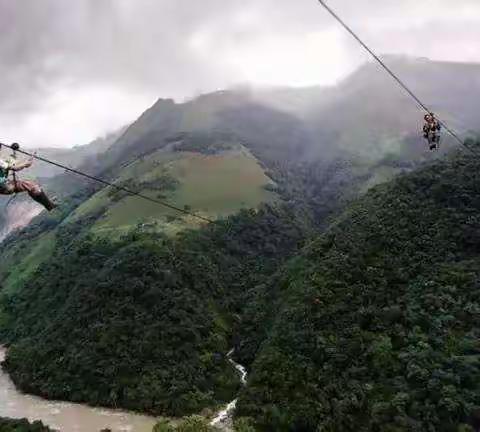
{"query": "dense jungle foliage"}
(22, 425)
(193, 423)
(376, 323)
(144, 322)
(197, 423)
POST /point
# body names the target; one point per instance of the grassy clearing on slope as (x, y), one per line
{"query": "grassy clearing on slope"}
(214, 186)
(221, 185)
(92, 205)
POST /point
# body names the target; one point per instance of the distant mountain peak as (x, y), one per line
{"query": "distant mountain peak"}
(164, 102)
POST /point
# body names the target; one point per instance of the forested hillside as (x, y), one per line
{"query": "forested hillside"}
(376, 322)
(142, 322)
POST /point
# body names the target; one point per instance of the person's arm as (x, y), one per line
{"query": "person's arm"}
(21, 166)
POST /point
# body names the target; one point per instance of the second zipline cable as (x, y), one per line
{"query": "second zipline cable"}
(390, 72)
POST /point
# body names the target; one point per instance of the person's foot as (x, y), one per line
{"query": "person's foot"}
(43, 199)
(54, 201)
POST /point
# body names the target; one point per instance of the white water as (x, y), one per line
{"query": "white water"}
(224, 418)
(63, 416)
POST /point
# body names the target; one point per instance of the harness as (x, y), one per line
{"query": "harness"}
(13, 158)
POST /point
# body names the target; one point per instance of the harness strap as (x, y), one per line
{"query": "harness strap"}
(14, 174)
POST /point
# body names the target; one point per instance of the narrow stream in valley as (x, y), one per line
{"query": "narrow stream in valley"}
(223, 419)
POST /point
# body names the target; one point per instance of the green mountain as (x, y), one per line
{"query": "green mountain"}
(125, 303)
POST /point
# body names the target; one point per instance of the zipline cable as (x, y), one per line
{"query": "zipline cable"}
(391, 73)
(107, 183)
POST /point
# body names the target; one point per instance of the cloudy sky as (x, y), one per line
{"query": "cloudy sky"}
(72, 70)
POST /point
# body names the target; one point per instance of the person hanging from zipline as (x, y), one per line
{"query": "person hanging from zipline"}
(431, 130)
(13, 186)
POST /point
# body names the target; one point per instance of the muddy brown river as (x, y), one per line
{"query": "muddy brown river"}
(65, 416)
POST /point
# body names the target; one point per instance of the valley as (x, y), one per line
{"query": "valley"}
(341, 266)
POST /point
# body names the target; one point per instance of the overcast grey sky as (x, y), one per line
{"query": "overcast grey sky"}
(75, 69)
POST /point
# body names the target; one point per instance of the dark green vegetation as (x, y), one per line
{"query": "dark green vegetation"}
(197, 423)
(23, 425)
(376, 322)
(190, 424)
